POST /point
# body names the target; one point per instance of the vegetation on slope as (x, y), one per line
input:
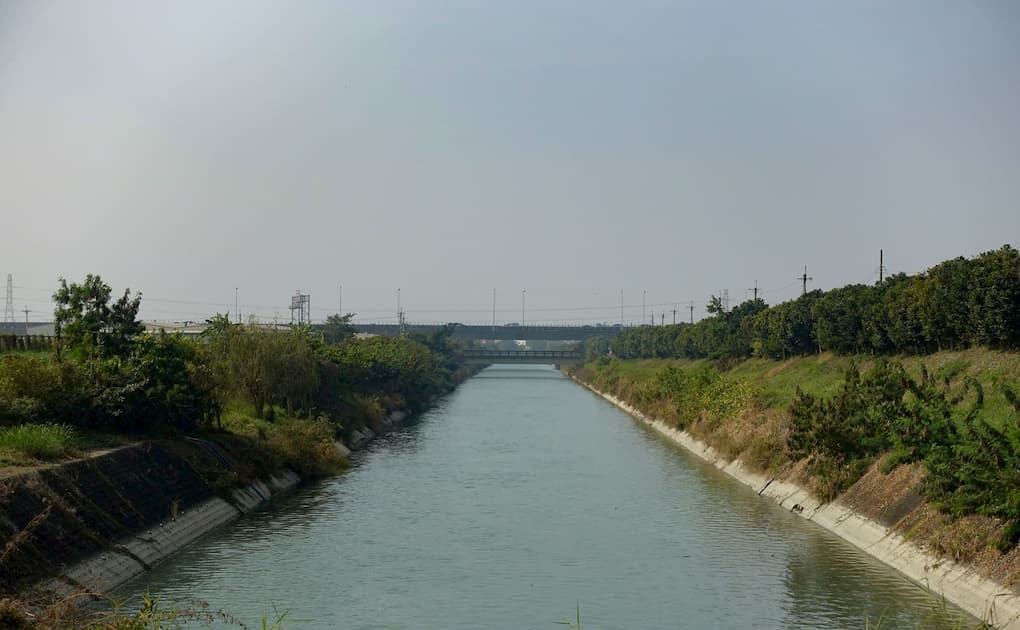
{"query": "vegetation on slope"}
(284, 394)
(825, 419)
(947, 403)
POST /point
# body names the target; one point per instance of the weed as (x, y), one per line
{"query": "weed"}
(42, 441)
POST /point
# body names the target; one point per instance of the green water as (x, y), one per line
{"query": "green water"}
(516, 499)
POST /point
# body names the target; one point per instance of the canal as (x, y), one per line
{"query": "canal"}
(518, 499)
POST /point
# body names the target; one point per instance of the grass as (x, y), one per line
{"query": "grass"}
(149, 614)
(40, 441)
(38, 354)
(822, 374)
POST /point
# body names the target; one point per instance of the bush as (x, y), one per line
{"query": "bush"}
(307, 446)
(42, 441)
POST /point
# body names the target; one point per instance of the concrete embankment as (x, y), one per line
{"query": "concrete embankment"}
(94, 523)
(956, 582)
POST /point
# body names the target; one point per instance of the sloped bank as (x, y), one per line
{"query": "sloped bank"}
(959, 584)
(92, 524)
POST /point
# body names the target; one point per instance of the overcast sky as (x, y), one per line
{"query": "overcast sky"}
(572, 149)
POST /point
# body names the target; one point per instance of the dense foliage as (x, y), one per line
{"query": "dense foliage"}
(973, 466)
(956, 304)
(107, 374)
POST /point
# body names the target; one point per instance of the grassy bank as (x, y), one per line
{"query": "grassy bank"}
(933, 458)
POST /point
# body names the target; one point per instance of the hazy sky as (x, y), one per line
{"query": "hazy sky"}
(572, 149)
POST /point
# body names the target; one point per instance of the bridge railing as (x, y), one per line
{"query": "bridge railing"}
(537, 354)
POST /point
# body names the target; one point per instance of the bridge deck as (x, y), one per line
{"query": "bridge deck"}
(553, 357)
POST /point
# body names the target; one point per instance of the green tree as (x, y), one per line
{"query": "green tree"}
(88, 326)
(266, 366)
(337, 329)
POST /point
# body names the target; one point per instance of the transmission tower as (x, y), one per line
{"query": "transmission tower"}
(301, 308)
(9, 304)
(804, 280)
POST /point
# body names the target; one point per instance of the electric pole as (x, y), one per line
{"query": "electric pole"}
(621, 308)
(881, 266)
(9, 304)
(27, 311)
(674, 314)
(692, 311)
(804, 280)
(400, 315)
(237, 313)
(755, 289)
(643, 295)
(341, 304)
(493, 309)
(662, 319)
(523, 291)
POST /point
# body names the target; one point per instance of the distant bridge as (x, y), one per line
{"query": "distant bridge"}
(554, 357)
(509, 332)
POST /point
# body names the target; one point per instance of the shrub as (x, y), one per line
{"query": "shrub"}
(42, 441)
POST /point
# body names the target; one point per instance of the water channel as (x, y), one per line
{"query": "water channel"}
(520, 497)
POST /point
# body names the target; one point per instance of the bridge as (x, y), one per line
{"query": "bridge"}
(507, 332)
(553, 357)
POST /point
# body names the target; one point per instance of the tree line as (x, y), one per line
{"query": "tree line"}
(956, 304)
(106, 373)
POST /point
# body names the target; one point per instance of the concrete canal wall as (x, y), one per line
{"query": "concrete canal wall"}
(94, 523)
(958, 583)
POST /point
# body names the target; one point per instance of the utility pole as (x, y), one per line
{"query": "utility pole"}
(27, 311)
(341, 303)
(9, 304)
(643, 295)
(662, 319)
(523, 291)
(400, 315)
(237, 313)
(621, 308)
(692, 311)
(881, 266)
(493, 309)
(674, 314)
(755, 289)
(804, 280)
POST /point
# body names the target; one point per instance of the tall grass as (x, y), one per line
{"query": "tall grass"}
(41, 441)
